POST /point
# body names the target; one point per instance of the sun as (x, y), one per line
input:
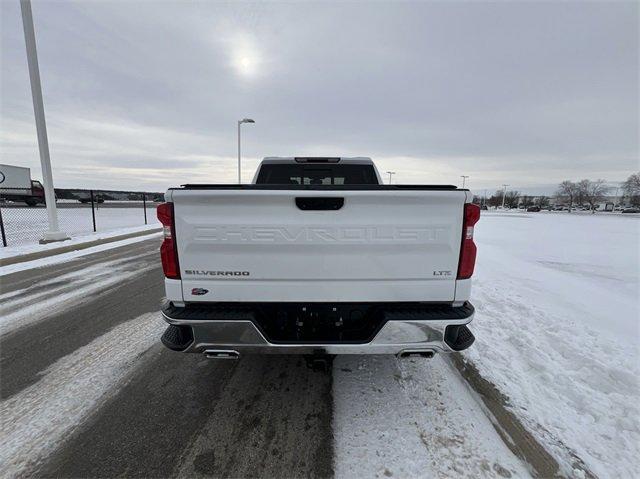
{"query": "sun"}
(245, 64)
(246, 57)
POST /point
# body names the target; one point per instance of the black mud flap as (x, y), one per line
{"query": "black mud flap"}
(177, 338)
(458, 337)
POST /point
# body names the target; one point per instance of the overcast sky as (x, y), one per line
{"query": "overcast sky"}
(146, 95)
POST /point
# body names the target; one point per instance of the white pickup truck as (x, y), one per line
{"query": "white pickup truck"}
(317, 257)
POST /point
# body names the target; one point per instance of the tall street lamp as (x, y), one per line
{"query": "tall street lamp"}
(54, 233)
(504, 193)
(464, 177)
(390, 173)
(240, 122)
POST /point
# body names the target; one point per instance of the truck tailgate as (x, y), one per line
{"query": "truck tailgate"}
(278, 245)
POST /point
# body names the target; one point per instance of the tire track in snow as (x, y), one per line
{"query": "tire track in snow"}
(51, 289)
(412, 418)
(60, 281)
(40, 417)
(62, 293)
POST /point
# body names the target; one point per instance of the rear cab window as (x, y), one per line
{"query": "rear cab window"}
(316, 174)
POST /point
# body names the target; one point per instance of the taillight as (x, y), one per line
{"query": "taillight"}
(468, 248)
(168, 251)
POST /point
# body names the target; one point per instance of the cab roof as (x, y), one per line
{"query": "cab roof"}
(360, 160)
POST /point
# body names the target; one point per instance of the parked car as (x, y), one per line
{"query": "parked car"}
(533, 209)
(317, 257)
(484, 207)
(86, 198)
(631, 210)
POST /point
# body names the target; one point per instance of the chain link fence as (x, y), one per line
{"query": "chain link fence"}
(79, 212)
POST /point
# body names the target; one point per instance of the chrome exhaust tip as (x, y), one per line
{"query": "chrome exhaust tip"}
(221, 354)
(416, 353)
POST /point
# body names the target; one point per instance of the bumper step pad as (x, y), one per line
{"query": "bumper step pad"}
(177, 338)
(429, 313)
(458, 337)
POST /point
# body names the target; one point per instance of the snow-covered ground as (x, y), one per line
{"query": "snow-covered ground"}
(412, 418)
(25, 225)
(558, 331)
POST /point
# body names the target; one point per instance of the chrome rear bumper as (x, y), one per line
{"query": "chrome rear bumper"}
(395, 337)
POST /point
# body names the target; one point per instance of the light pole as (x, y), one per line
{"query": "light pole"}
(390, 173)
(504, 194)
(240, 122)
(464, 177)
(54, 233)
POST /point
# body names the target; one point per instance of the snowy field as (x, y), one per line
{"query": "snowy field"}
(25, 225)
(558, 331)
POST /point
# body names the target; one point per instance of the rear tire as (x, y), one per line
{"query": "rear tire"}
(31, 201)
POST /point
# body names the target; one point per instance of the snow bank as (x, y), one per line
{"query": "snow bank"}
(557, 327)
(12, 251)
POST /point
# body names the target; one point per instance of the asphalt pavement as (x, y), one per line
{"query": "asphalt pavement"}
(169, 414)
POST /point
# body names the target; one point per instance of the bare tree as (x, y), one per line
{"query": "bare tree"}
(542, 201)
(527, 201)
(631, 189)
(496, 199)
(568, 190)
(579, 199)
(593, 192)
(582, 192)
(511, 199)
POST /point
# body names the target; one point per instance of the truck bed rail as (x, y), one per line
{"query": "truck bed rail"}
(196, 186)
